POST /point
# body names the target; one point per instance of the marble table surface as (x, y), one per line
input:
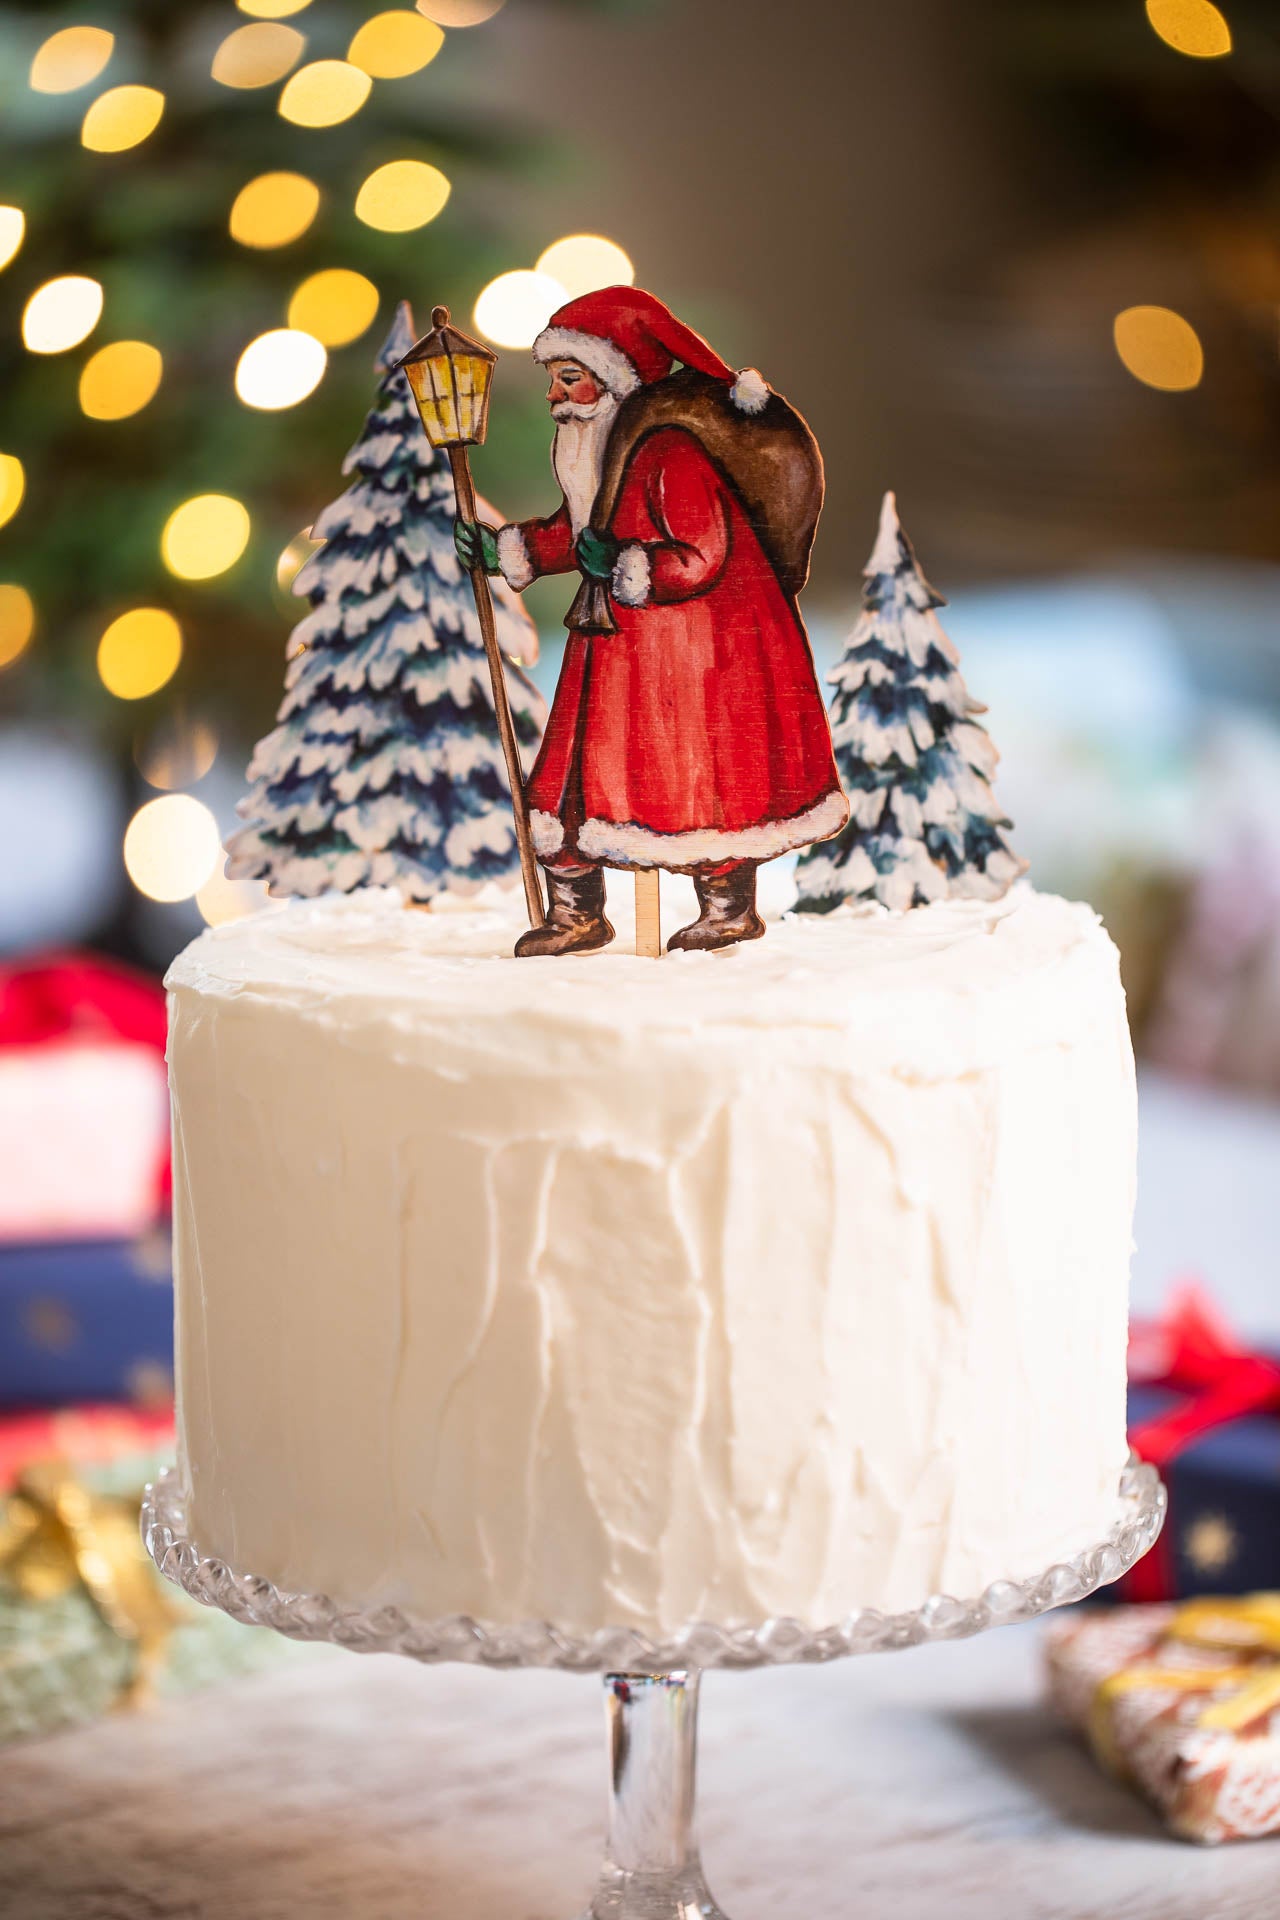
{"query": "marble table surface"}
(341, 1787)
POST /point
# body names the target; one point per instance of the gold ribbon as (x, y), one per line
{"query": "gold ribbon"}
(57, 1536)
(1249, 1625)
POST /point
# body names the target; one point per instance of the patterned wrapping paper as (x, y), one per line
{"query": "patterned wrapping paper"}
(1184, 1703)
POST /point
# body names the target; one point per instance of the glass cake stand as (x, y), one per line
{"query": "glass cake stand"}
(652, 1869)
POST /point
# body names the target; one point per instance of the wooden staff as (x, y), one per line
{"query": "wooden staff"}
(466, 496)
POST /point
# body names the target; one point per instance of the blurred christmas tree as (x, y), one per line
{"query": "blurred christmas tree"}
(207, 208)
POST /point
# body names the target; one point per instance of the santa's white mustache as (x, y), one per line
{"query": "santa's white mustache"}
(567, 410)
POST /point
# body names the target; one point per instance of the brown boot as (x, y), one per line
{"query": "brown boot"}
(727, 903)
(576, 922)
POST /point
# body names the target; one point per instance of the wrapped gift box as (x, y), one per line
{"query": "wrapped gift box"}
(86, 1320)
(83, 1102)
(1183, 1703)
(86, 1623)
(1206, 1411)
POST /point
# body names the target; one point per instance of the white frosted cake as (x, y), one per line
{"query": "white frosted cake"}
(610, 1291)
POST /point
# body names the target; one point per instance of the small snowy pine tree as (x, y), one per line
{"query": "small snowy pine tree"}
(916, 765)
(385, 767)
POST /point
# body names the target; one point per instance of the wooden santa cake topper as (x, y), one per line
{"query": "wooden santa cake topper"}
(688, 731)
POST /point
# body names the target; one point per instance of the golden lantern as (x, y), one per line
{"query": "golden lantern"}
(451, 376)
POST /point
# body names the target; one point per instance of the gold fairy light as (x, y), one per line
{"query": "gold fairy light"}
(205, 536)
(71, 59)
(120, 380)
(257, 55)
(279, 369)
(139, 652)
(514, 308)
(294, 557)
(13, 227)
(13, 485)
(1160, 348)
(335, 305)
(176, 753)
(61, 313)
(171, 847)
(122, 117)
(274, 209)
(272, 9)
(394, 44)
(324, 93)
(460, 13)
(402, 195)
(17, 622)
(582, 262)
(1194, 27)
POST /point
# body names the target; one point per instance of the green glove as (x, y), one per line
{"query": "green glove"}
(474, 541)
(596, 554)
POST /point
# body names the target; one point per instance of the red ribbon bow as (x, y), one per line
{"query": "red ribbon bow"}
(1192, 1350)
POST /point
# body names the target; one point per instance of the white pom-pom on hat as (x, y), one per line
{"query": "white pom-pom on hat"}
(750, 390)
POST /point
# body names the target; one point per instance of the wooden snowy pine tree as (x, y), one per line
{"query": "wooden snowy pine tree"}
(917, 767)
(384, 768)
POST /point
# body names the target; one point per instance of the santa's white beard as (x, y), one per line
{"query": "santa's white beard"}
(577, 454)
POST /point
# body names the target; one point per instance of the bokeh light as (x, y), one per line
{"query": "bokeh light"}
(402, 195)
(61, 313)
(120, 379)
(205, 536)
(294, 557)
(120, 118)
(272, 9)
(139, 652)
(257, 55)
(335, 305)
(176, 753)
(13, 484)
(1193, 27)
(514, 308)
(1160, 348)
(171, 847)
(274, 209)
(279, 369)
(17, 622)
(584, 261)
(13, 225)
(71, 59)
(324, 93)
(394, 44)
(220, 899)
(460, 13)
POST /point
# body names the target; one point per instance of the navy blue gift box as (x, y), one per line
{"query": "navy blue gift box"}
(1223, 1530)
(86, 1320)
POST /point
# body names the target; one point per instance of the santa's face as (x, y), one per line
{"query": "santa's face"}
(574, 393)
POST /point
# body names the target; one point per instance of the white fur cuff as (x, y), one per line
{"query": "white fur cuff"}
(749, 391)
(601, 357)
(631, 580)
(513, 558)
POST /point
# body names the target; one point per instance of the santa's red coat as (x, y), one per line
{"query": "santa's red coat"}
(697, 732)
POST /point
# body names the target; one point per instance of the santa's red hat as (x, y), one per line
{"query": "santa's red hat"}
(629, 339)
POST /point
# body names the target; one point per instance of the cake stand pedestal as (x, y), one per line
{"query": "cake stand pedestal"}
(652, 1870)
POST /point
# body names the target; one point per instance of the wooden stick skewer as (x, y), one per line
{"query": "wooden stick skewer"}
(506, 732)
(648, 914)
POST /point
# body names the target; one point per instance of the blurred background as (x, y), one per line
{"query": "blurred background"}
(1018, 260)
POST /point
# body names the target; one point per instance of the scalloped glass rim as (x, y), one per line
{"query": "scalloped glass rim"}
(700, 1644)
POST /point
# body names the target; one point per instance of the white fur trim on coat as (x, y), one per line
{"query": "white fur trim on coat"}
(750, 391)
(631, 582)
(598, 356)
(625, 844)
(548, 834)
(513, 558)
